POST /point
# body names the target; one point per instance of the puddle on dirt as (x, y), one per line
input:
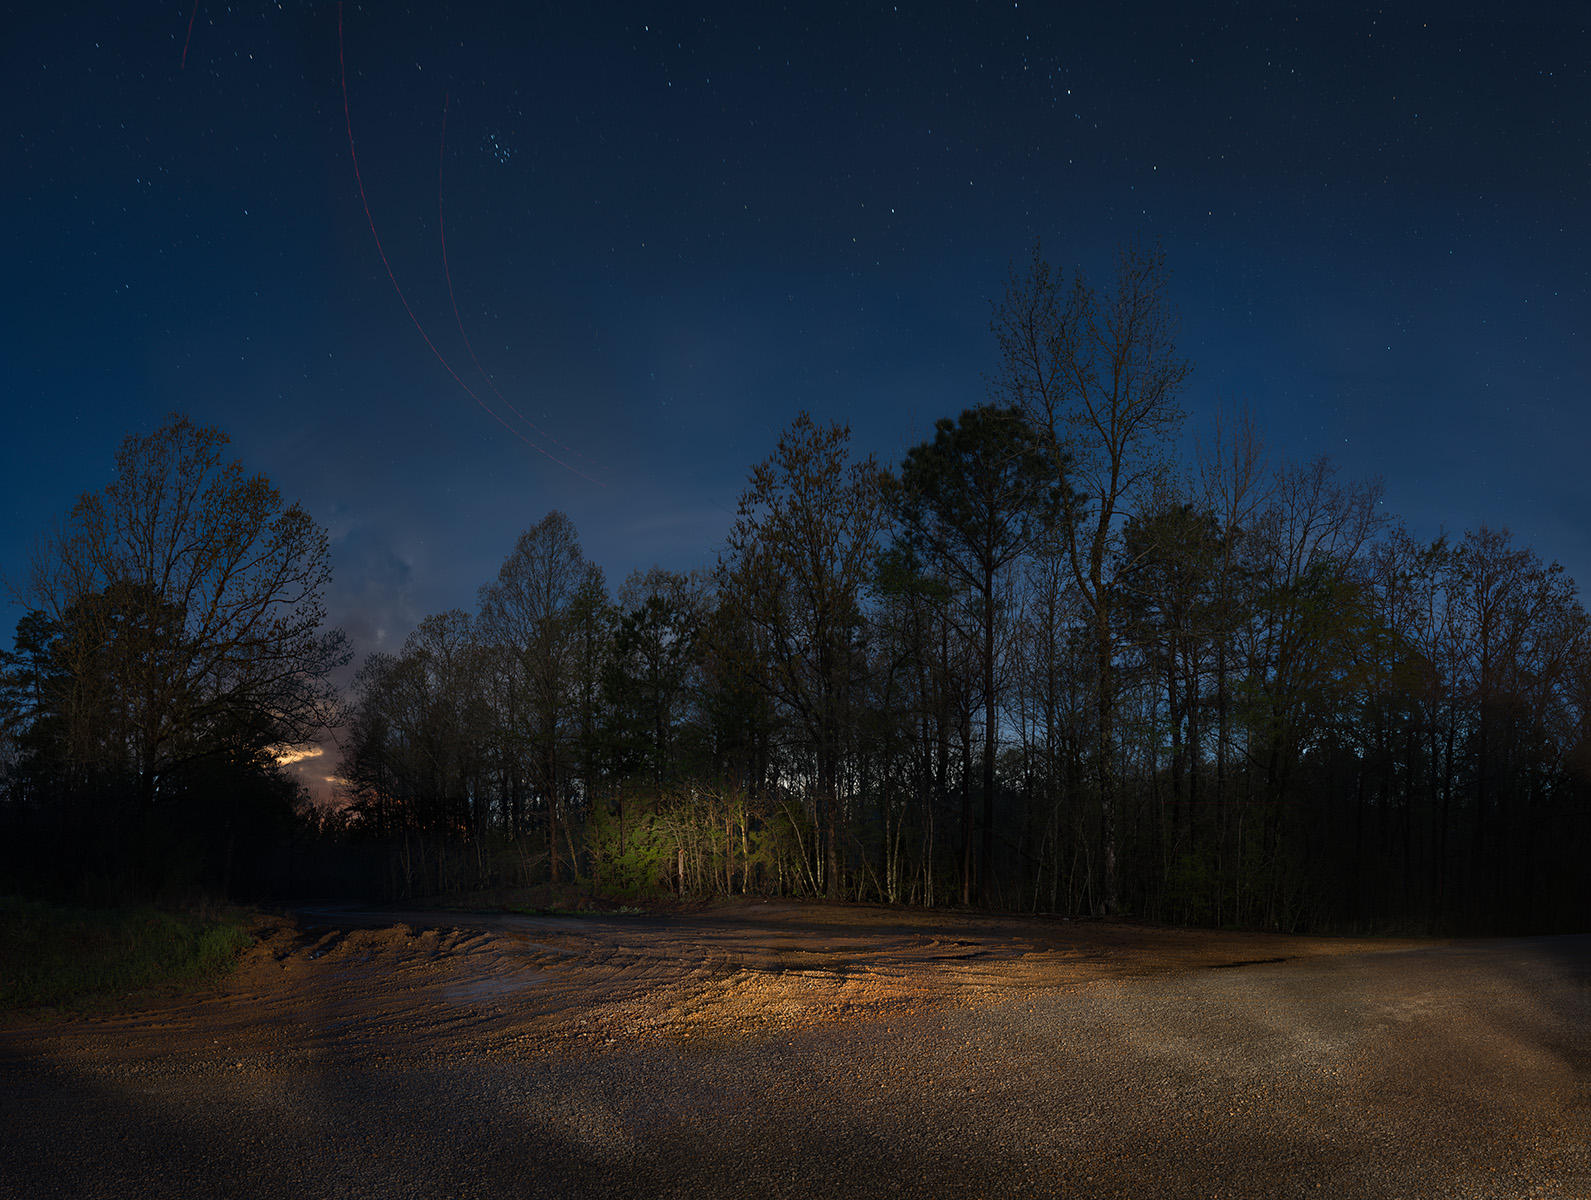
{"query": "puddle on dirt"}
(488, 990)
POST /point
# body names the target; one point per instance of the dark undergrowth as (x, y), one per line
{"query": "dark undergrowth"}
(94, 958)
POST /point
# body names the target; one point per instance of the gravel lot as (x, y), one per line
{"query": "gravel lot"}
(787, 1050)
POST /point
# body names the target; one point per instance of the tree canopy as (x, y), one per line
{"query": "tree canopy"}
(175, 626)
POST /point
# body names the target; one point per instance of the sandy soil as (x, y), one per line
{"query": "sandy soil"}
(783, 1049)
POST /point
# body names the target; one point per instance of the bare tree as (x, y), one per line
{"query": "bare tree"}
(1235, 486)
(1098, 376)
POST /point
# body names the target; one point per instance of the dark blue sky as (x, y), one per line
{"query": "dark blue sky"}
(670, 228)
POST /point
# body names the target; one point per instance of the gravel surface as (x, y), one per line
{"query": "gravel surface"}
(791, 1050)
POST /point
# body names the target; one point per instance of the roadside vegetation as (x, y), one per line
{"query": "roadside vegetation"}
(58, 957)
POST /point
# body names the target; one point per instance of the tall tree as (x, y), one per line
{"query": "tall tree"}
(591, 620)
(796, 561)
(1168, 605)
(527, 612)
(1098, 375)
(1520, 627)
(30, 675)
(1235, 486)
(661, 618)
(189, 600)
(975, 499)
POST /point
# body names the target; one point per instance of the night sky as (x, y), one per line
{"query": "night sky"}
(669, 228)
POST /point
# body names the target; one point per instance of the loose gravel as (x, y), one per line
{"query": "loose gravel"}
(788, 1050)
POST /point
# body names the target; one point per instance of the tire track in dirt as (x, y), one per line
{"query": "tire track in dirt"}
(797, 1051)
(526, 983)
(328, 982)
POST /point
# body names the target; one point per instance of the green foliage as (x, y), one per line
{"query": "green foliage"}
(633, 848)
(699, 840)
(76, 957)
(978, 495)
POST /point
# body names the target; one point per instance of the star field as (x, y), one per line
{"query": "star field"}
(669, 229)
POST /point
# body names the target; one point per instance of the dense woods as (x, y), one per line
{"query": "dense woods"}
(1039, 665)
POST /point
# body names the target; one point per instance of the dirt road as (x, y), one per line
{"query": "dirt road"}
(787, 1050)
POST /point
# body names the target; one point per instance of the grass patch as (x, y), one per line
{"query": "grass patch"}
(83, 957)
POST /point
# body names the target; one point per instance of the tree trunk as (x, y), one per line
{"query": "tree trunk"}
(1105, 714)
(990, 719)
(966, 809)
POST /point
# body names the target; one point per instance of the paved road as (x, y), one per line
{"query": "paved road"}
(1459, 1070)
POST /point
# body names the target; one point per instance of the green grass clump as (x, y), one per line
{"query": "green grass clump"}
(81, 957)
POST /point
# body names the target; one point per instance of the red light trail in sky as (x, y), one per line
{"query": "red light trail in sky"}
(189, 38)
(402, 299)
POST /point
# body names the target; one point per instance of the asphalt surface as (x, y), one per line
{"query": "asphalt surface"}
(1453, 1070)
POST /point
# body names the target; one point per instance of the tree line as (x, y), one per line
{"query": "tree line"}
(1040, 664)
